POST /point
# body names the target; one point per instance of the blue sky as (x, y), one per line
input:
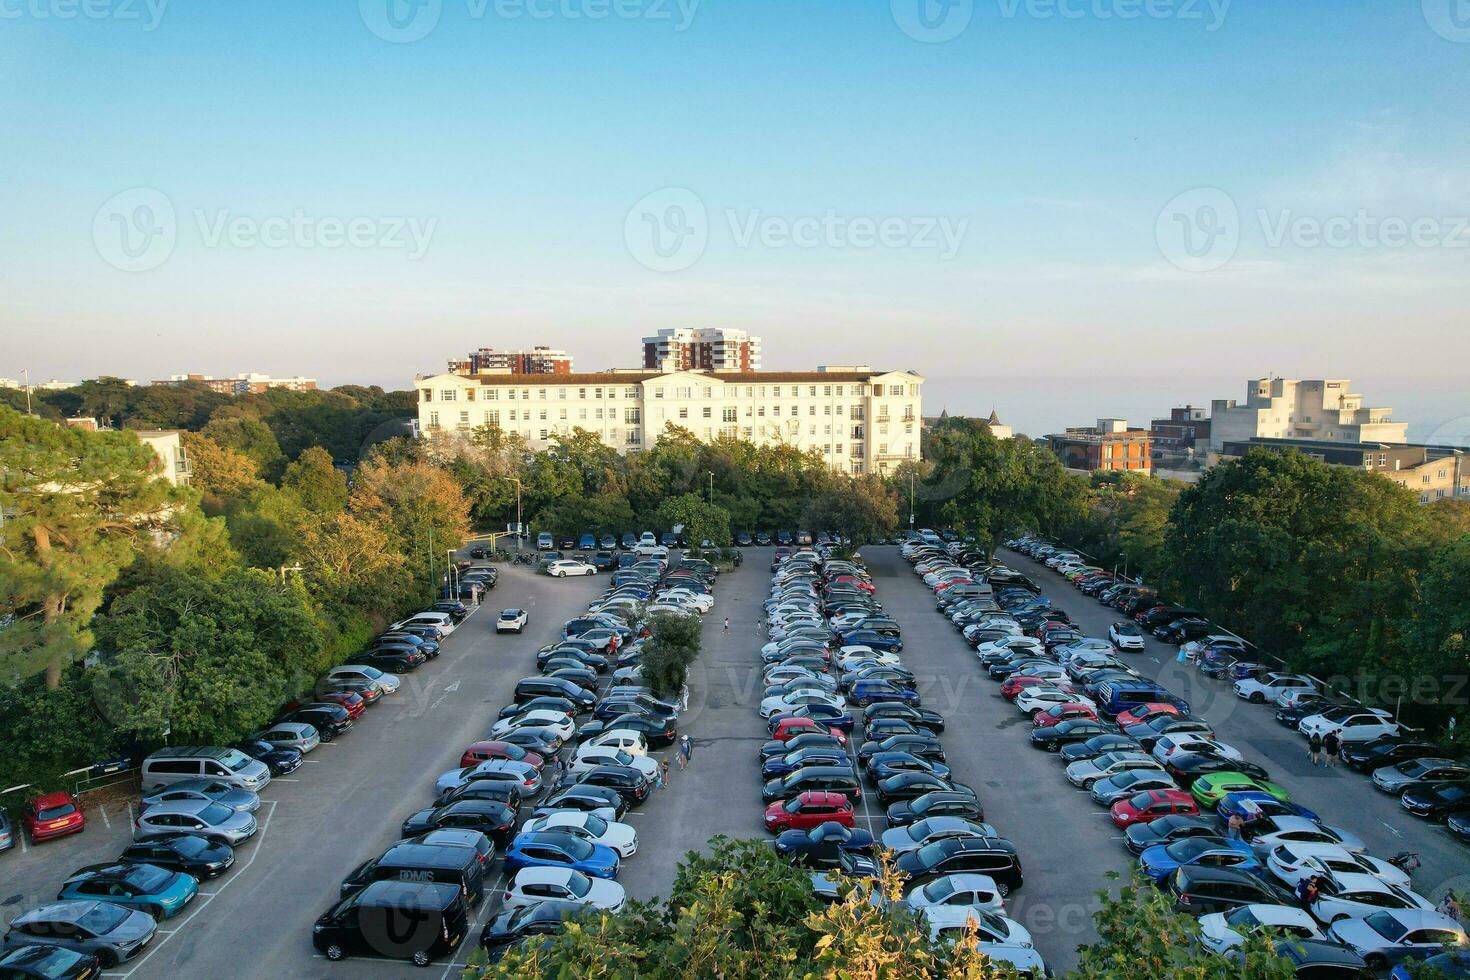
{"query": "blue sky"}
(492, 165)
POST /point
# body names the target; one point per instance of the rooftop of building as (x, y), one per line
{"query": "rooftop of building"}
(632, 377)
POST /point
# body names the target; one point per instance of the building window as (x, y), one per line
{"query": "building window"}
(433, 420)
(447, 395)
(895, 389)
(428, 394)
(658, 392)
(582, 393)
(510, 393)
(464, 418)
(563, 415)
(730, 415)
(632, 416)
(582, 414)
(492, 418)
(630, 392)
(469, 394)
(492, 394)
(708, 412)
(683, 413)
(882, 449)
(543, 435)
(541, 394)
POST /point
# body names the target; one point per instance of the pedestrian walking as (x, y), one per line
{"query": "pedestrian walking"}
(1314, 749)
(1331, 747)
(663, 775)
(1450, 906)
(727, 624)
(1236, 823)
(686, 751)
(684, 698)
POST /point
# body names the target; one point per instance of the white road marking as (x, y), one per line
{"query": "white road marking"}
(105, 819)
(1392, 830)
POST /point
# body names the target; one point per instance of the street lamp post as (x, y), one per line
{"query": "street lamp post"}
(911, 500)
(451, 575)
(711, 486)
(517, 481)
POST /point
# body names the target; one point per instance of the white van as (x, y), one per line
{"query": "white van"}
(180, 762)
(440, 620)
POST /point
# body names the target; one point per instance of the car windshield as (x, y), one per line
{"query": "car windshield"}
(594, 825)
(938, 891)
(189, 846)
(577, 848)
(1386, 926)
(579, 884)
(520, 915)
(1243, 918)
(56, 812)
(1337, 712)
(931, 854)
(1189, 848)
(148, 879)
(102, 918)
(215, 813)
(44, 961)
(235, 761)
(1128, 629)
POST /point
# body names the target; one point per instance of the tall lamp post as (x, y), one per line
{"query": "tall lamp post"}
(517, 481)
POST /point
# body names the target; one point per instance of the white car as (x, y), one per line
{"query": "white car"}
(790, 702)
(619, 836)
(558, 721)
(1351, 724)
(589, 757)
(511, 621)
(532, 886)
(1221, 931)
(523, 775)
(960, 891)
(1169, 744)
(1126, 637)
(1347, 896)
(1084, 772)
(1300, 830)
(565, 566)
(386, 683)
(701, 601)
(1259, 690)
(438, 620)
(847, 661)
(1040, 697)
(1010, 643)
(1193, 647)
(947, 923)
(1290, 863)
(623, 739)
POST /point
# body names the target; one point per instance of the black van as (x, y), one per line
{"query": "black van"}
(535, 687)
(458, 866)
(399, 920)
(832, 779)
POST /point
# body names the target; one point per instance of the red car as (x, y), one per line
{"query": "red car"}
(1151, 803)
(1141, 714)
(1016, 683)
(352, 703)
(1065, 711)
(789, 728)
(52, 815)
(807, 810)
(478, 752)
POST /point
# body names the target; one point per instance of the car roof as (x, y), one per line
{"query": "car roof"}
(64, 911)
(191, 807)
(1205, 872)
(542, 875)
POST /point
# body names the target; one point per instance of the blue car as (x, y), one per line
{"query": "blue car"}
(557, 850)
(883, 642)
(864, 693)
(827, 715)
(587, 542)
(1454, 965)
(881, 765)
(145, 887)
(1266, 804)
(1162, 860)
(816, 755)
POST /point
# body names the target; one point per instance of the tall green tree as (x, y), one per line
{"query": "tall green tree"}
(78, 506)
(862, 509)
(319, 485)
(701, 521)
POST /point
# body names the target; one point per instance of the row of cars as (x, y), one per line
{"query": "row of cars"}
(833, 664)
(198, 804)
(630, 541)
(544, 793)
(1173, 787)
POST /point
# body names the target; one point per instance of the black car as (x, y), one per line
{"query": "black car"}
(612, 707)
(923, 746)
(919, 717)
(912, 784)
(1053, 737)
(546, 702)
(583, 677)
(943, 803)
(1200, 889)
(567, 651)
(1167, 829)
(1371, 754)
(658, 732)
(391, 660)
(823, 845)
(775, 748)
(408, 638)
(1437, 802)
(193, 855)
(495, 790)
(1458, 824)
(627, 781)
(330, 720)
(1319, 960)
(993, 856)
(279, 759)
(1312, 704)
(40, 962)
(1099, 745)
(586, 798)
(456, 610)
(743, 539)
(1186, 767)
(513, 925)
(495, 820)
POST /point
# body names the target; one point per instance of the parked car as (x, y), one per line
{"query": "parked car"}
(511, 621)
(211, 790)
(196, 856)
(110, 932)
(214, 821)
(52, 815)
(148, 888)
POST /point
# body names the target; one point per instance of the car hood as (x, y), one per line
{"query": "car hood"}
(1357, 934)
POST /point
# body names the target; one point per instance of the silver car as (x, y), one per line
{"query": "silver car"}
(109, 931)
(202, 817)
(291, 735)
(210, 790)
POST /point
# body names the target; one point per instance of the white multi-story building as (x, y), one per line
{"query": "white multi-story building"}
(1284, 408)
(701, 349)
(858, 419)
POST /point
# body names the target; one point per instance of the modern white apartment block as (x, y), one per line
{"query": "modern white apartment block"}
(1284, 408)
(858, 419)
(701, 349)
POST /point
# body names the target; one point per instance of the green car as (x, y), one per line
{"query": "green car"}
(145, 887)
(1210, 790)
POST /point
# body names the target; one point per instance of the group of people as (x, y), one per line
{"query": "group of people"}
(1324, 749)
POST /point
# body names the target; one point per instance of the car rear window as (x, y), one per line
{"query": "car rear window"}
(56, 812)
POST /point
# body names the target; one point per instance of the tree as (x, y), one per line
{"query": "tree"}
(418, 504)
(211, 658)
(700, 521)
(250, 437)
(221, 474)
(77, 504)
(862, 509)
(319, 485)
(347, 560)
(673, 645)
